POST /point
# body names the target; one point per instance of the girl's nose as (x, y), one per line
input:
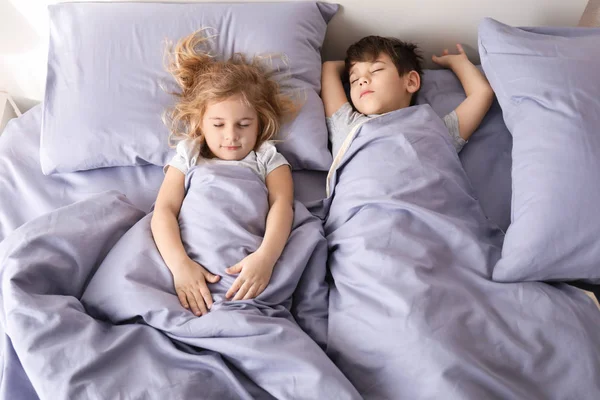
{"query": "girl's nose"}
(232, 135)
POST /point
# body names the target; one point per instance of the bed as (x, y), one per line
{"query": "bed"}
(415, 287)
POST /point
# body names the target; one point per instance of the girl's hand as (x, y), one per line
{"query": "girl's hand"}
(448, 60)
(255, 272)
(190, 280)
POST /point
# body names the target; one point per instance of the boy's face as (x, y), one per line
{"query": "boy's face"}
(377, 88)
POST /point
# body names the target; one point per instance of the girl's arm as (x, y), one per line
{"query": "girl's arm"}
(164, 225)
(189, 277)
(255, 270)
(281, 214)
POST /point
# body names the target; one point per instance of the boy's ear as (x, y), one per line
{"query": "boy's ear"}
(412, 81)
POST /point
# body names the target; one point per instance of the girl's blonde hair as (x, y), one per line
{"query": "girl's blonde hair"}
(202, 80)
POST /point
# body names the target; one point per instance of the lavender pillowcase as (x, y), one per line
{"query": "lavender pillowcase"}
(547, 81)
(106, 76)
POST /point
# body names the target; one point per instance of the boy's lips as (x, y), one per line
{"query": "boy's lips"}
(364, 92)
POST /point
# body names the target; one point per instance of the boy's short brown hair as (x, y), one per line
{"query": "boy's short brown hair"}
(405, 55)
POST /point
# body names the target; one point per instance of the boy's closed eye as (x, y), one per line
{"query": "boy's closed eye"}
(354, 80)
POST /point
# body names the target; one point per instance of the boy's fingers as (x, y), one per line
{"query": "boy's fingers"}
(460, 48)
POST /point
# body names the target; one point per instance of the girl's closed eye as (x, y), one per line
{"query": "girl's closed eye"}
(218, 125)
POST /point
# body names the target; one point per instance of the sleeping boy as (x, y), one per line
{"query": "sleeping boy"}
(384, 76)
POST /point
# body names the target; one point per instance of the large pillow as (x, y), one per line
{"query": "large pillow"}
(106, 76)
(486, 158)
(547, 81)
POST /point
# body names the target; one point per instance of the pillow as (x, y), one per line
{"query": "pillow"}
(486, 158)
(547, 81)
(105, 84)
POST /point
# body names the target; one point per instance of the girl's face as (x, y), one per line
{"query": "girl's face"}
(230, 128)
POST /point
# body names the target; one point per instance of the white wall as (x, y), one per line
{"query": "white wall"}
(433, 24)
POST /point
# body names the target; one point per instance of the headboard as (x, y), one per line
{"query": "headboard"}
(438, 24)
(432, 24)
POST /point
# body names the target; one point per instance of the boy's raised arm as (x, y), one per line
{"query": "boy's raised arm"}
(332, 90)
(479, 92)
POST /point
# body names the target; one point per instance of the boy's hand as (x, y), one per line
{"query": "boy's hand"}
(255, 273)
(448, 60)
(190, 280)
(471, 111)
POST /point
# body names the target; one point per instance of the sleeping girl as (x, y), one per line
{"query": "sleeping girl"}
(226, 115)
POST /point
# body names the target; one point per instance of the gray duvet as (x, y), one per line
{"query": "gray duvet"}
(91, 310)
(413, 311)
